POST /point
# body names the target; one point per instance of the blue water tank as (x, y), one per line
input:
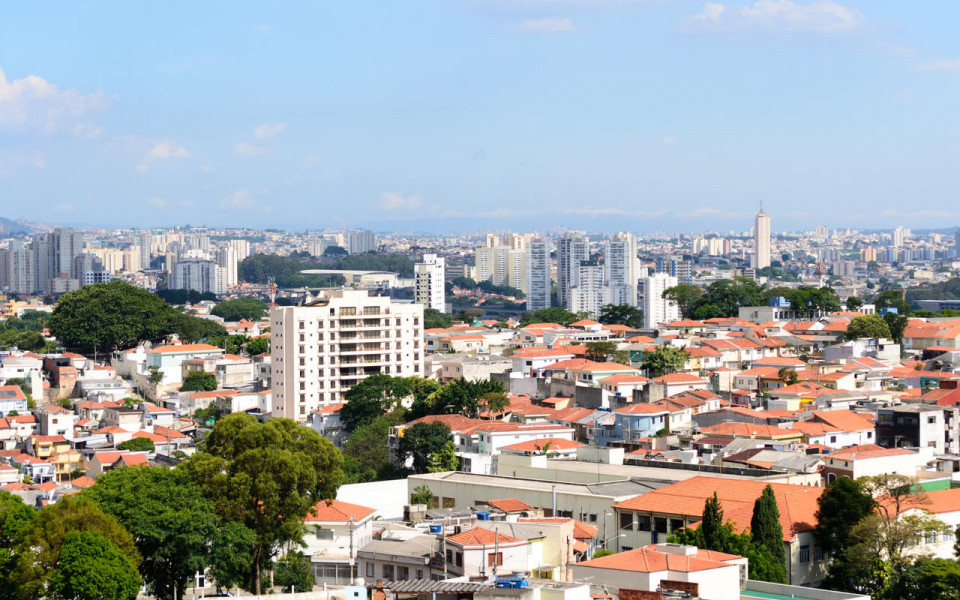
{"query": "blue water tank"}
(435, 529)
(483, 515)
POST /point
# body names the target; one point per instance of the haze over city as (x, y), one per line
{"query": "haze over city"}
(449, 114)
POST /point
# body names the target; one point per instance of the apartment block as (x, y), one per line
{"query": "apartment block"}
(323, 348)
(429, 289)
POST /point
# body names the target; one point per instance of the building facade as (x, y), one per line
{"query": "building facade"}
(429, 289)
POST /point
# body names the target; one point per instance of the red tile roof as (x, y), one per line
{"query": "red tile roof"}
(509, 505)
(649, 560)
(335, 511)
(479, 536)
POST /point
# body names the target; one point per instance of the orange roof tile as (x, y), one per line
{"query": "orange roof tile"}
(479, 536)
(509, 505)
(335, 511)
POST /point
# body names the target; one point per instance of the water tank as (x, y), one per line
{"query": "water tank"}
(483, 515)
(436, 528)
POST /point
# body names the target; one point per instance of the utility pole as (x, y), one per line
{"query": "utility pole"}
(352, 559)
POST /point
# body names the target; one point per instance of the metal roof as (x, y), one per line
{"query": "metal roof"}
(416, 586)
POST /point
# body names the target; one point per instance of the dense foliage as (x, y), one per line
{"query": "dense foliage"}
(434, 319)
(248, 309)
(553, 314)
(621, 314)
(180, 297)
(285, 271)
(868, 326)
(664, 360)
(198, 381)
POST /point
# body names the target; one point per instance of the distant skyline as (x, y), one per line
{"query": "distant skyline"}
(441, 115)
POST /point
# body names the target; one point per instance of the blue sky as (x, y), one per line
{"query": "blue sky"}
(438, 115)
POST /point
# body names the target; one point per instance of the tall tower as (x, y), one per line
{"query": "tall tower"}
(761, 240)
(538, 275)
(572, 249)
(621, 270)
(429, 289)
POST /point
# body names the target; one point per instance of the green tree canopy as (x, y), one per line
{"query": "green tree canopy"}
(711, 525)
(934, 579)
(373, 397)
(550, 315)
(868, 326)
(91, 567)
(260, 345)
(267, 476)
(725, 297)
(684, 296)
(366, 456)
(854, 303)
(434, 319)
(170, 519)
(461, 396)
(137, 445)
(247, 309)
(198, 381)
(621, 314)
(40, 543)
(600, 351)
(664, 360)
(765, 530)
(419, 443)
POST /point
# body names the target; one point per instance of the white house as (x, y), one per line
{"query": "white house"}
(335, 531)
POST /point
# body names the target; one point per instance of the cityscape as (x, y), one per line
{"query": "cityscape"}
(480, 300)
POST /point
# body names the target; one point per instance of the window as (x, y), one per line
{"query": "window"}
(676, 524)
(369, 569)
(419, 573)
(660, 524)
(458, 559)
(643, 523)
(403, 573)
(833, 439)
(818, 553)
(449, 556)
(931, 537)
(804, 554)
(931, 420)
(495, 559)
(626, 520)
(324, 534)
(388, 572)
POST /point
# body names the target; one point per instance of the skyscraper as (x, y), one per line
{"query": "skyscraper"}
(572, 249)
(228, 260)
(588, 294)
(899, 234)
(761, 240)
(429, 288)
(620, 270)
(538, 275)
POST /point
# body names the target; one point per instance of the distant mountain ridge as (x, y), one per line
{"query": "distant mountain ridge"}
(11, 227)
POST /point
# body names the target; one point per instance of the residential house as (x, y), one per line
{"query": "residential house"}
(480, 553)
(12, 399)
(633, 422)
(335, 532)
(866, 460)
(919, 426)
(101, 462)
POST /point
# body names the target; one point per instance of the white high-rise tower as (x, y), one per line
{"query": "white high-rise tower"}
(572, 249)
(761, 240)
(429, 289)
(538, 275)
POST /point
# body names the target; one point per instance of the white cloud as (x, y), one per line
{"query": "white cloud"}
(65, 207)
(248, 149)
(86, 130)
(33, 103)
(548, 24)
(817, 16)
(395, 201)
(669, 139)
(158, 203)
(243, 200)
(163, 151)
(311, 161)
(262, 132)
(944, 64)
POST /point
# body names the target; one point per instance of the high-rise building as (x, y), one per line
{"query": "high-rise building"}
(227, 259)
(620, 270)
(899, 234)
(429, 289)
(242, 247)
(656, 309)
(538, 275)
(761, 240)
(361, 242)
(326, 346)
(517, 269)
(145, 242)
(53, 257)
(572, 249)
(199, 275)
(822, 232)
(588, 294)
(493, 264)
(17, 270)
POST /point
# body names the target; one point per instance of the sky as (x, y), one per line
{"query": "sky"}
(448, 115)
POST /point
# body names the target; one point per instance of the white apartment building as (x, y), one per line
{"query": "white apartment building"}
(200, 275)
(538, 275)
(588, 295)
(620, 270)
(429, 287)
(572, 249)
(360, 242)
(242, 248)
(656, 309)
(324, 347)
(228, 260)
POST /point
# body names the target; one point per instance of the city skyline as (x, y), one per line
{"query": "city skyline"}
(608, 115)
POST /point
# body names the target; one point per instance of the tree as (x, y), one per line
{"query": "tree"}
(91, 567)
(260, 345)
(267, 476)
(21, 383)
(137, 444)
(711, 525)
(766, 531)
(807, 300)
(462, 396)
(445, 459)
(725, 297)
(106, 316)
(241, 309)
(494, 403)
(23, 340)
(230, 555)
(434, 319)
(191, 328)
(373, 397)
(935, 579)
(897, 492)
(621, 314)
(840, 507)
(422, 495)
(684, 296)
(40, 543)
(664, 360)
(788, 376)
(868, 326)
(155, 376)
(553, 314)
(15, 516)
(599, 351)
(293, 573)
(419, 443)
(170, 520)
(897, 324)
(853, 303)
(366, 456)
(199, 381)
